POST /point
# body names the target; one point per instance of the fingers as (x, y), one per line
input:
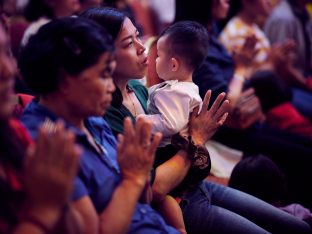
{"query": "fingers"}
(194, 113)
(56, 149)
(223, 119)
(155, 142)
(145, 132)
(128, 129)
(248, 92)
(250, 42)
(206, 102)
(224, 108)
(217, 103)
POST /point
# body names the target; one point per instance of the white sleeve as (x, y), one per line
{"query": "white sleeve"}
(174, 110)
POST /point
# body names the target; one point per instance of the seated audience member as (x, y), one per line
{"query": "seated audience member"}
(275, 98)
(290, 20)
(261, 177)
(76, 58)
(28, 184)
(242, 130)
(206, 207)
(180, 49)
(40, 12)
(277, 57)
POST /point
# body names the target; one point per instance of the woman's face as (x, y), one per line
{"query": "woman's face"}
(7, 74)
(90, 92)
(258, 7)
(220, 9)
(63, 8)
(89, 3)
(130, 57)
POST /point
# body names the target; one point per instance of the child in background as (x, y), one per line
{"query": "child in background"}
(181, 48)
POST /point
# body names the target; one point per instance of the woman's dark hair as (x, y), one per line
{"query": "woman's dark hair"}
(109, 18)
(112, 20)
(270, 88)
(36, 9)
(187, 40)
(64, 46)
(258, 175)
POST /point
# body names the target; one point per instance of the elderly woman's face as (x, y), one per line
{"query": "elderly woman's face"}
(130, 53)
(90, 92)
(7, 73)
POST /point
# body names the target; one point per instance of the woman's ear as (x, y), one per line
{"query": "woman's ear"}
(65, 83)
(175, 64)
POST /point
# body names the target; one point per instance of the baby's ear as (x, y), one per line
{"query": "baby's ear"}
(175, 64)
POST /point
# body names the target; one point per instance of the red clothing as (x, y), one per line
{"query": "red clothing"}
(309, 83)
(23, 101)
(11, 182)
(286, 116)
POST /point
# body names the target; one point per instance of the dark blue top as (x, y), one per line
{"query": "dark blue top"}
(99, 173)
(216, 70)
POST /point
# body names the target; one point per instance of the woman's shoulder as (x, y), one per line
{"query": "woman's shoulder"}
(137, 86)
(21, 132)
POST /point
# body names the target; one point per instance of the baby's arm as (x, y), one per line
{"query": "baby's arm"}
(174, 110)
(171, 212)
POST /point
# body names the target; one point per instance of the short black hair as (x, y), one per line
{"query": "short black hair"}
(64, 46)
(189, 41)
(259, 176)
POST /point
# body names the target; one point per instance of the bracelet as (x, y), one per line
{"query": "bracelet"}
(36, 222)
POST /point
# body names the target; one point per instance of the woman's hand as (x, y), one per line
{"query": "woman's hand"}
(207, 122)
(136, 151)
(50, 169)
(244, 56)
(247, 111)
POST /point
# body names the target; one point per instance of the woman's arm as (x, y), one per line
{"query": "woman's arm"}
(136, 145)
(49, 171)
(202, 128)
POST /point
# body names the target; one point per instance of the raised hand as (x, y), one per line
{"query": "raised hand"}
(247, 111)
(51, 167)
(136, 150)
(244, 56)
(204, 124)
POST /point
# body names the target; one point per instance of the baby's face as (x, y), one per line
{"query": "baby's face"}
(163, 60)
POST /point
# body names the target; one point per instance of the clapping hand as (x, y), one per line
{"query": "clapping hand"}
(136, 150)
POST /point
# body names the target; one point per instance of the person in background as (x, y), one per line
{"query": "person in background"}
(69, 64)
(243, 131)
(31, 173)
(181, 48)
(40, 12)
(206, 207)
(290, 20)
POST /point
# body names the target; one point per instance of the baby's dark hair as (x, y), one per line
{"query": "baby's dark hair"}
(188, 40)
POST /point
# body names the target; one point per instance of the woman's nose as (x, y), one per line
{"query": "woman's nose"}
(140, 47)
(111, 86)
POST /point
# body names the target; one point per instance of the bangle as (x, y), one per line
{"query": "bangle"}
(36, 222)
